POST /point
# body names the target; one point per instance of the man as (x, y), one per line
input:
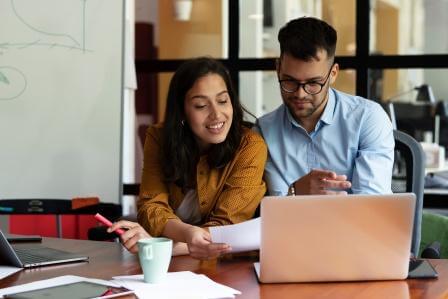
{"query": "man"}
(320, 140)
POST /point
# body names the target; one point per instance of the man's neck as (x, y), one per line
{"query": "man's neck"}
(309, 123)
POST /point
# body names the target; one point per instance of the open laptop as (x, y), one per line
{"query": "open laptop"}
(335, 238)
(33, 256)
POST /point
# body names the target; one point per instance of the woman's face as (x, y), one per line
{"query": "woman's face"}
(208, 110)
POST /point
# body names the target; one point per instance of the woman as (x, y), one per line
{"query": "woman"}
(202, 167)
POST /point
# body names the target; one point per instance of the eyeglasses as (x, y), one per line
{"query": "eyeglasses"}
(311, 88)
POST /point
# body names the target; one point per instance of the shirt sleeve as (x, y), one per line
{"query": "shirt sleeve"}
(276, 185)
(154, 209)
(372, 173)
(244, 187)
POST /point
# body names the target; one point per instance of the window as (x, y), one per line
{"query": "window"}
(397, 43)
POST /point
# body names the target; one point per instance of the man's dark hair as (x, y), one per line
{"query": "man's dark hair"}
(180, 150)
(302, 38)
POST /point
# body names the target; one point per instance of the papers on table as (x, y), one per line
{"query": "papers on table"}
(52, 282)
(244, 236)
(7, 270)
(178, 285)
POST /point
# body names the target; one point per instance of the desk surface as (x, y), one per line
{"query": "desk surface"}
(110, 259)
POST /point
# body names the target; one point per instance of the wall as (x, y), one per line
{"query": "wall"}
(202, 35)
(436, 41)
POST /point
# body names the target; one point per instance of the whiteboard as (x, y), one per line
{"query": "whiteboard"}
(61, 88)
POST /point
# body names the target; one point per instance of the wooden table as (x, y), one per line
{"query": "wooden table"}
(110, 259)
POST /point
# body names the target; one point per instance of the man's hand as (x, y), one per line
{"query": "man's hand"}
(134, 233)
(320, 181)
(200, 245)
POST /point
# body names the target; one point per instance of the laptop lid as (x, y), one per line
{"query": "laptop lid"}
(336, 238)
(35, 256)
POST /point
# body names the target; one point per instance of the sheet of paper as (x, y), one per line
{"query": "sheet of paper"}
(7, 270)
(187, 285)
(244, 236)
(57, 281)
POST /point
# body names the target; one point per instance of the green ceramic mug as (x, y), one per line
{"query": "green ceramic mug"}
(155, 257)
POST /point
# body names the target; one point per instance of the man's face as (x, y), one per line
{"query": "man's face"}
(318, 70)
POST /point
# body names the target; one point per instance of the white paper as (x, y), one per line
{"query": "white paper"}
(183, 284)
(244, 236)
(57, 281)
(6, 271)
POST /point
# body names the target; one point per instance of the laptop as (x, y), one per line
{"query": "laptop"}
(335, 238)
(33, 256)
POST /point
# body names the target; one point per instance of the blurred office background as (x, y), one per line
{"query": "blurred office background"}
(387, 50)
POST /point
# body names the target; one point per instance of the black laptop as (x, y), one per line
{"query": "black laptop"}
(34, 256)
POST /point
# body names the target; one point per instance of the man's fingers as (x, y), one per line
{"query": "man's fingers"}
(340, 177)
(331, 184)
(330, 192)
(323, 174)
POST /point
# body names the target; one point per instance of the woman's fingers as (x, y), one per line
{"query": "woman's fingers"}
(131, 237)
(122, 224)
(209, 251)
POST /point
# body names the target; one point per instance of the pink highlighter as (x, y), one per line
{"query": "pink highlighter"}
(103, 220)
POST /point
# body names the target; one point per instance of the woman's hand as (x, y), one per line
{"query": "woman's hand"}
(134, 233)
(200, 244)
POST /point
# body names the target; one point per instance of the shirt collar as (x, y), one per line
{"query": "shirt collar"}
(327, 115)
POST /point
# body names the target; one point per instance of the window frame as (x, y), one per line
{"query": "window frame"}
(361, 62)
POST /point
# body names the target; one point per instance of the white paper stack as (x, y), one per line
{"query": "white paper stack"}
(177, 285)
(7, 270)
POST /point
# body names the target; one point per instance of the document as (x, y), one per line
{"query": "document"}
(244, 236)
(184, 284)
(7, 270)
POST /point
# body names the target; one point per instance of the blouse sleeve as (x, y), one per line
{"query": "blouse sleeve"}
(154, 209)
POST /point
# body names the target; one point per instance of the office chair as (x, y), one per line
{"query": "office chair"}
(434, 235)
(408, 176)
(430, 232)
(39, 206)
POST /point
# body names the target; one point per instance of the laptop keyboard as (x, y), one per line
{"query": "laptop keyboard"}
(27, 256)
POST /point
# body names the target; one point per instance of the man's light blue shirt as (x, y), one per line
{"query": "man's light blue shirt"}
(354, 136)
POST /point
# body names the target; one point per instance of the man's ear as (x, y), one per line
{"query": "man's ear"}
(334, 73)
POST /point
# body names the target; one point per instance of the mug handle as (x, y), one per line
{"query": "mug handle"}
(148, 252)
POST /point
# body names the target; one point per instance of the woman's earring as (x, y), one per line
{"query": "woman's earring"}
(183, 122)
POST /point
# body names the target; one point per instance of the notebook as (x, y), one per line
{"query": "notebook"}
(335, 238)
(33, 256)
